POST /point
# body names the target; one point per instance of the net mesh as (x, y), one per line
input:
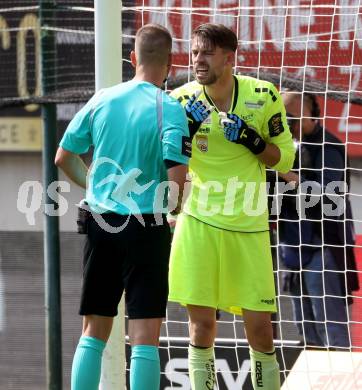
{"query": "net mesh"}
(310, 47)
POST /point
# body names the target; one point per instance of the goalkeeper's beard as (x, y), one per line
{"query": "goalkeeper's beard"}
(211, 78)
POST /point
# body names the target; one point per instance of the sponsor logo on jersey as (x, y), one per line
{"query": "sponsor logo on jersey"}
(186, 146)
(255, 105)
(204, 130)
(275, 125)
(268, 301)
(247, 118)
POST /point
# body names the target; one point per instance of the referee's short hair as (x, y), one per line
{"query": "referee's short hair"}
(153, 45)
(216, 35)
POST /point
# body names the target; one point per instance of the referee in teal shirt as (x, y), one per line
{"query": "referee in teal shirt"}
(140, 139)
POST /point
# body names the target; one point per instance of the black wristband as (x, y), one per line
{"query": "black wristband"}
(193, 126)
(252, 140)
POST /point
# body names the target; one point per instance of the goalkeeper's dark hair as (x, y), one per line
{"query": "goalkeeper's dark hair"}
(153, 45)
(217, 35)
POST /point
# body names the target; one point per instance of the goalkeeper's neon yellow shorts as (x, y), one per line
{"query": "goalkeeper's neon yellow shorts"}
(221, 269)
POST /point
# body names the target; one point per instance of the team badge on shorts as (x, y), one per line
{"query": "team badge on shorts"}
(202, 142)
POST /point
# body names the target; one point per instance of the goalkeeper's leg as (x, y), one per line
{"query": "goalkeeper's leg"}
(264, 365)
(201, 349)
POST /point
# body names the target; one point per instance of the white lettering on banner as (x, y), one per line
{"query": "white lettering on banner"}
(225, 372)
(350, 21)
(300, 18)
(273, 21)
(4, 34)
(225, 17)
(176, 372)
(344, 125)
(331, 370)
(28, 23)
(339, 381)
(175, 376)
(269, 18)
(244, 26)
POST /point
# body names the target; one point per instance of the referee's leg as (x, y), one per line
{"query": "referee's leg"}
(145, 361)
(86, 368)
(146, 287)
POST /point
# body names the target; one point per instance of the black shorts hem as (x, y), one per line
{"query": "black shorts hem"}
(140, 316)
(100, 312)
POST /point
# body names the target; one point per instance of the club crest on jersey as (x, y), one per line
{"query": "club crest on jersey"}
(202, 142)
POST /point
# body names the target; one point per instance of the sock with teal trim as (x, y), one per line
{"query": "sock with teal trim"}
(87, 361)
(264, 370)
(201, 367)
(145, 368)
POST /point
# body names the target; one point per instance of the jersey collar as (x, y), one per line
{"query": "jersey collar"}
(235, 95)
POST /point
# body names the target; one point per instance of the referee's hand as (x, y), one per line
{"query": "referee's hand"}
(172, 219)
(197, 111)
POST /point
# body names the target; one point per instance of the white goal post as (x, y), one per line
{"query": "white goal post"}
(108, 72)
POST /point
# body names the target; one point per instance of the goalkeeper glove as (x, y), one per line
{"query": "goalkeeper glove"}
(237, 131)
(196, 112)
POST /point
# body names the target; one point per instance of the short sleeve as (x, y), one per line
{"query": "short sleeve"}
(176, 142)
(77, 137)
(276, 130)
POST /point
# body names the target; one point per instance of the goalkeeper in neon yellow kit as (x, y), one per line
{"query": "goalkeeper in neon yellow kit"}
(221, 256)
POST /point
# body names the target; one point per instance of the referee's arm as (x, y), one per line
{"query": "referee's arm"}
(177, 175)
(72, 165)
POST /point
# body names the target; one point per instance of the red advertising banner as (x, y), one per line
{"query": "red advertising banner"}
(319, 40)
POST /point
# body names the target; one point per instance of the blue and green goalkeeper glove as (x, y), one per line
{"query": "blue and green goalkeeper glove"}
(196, 111)
(237, 131)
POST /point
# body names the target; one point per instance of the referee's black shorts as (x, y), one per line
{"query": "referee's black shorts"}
(134, 260)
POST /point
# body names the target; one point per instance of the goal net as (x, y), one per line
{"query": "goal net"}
(313, 47)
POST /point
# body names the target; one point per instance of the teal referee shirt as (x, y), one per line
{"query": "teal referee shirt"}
(134, 127)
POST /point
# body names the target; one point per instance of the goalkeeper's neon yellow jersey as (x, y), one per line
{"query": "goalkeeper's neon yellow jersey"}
(228, 187)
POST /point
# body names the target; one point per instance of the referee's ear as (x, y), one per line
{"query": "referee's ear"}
(133, 58)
